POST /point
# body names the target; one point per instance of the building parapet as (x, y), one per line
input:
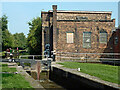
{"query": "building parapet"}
(86, 20)
(83, 12)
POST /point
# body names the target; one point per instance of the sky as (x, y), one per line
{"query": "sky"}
(20, 13)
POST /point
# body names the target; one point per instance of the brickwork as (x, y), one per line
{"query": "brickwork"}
(78, 28)
(54, 27)
(45, 29)
(116, 36)
(57, 23)
(73, 16)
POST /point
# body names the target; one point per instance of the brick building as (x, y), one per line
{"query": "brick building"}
(77, 31)
(116, 36)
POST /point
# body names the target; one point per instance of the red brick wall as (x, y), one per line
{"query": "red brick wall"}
(78, 28)
(67, 22)
(90, 16)
(117, 46)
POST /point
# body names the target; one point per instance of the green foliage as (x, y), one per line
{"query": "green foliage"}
(4, 22)
(105, 72)
(19, 40)
(119, 27)
(0, 39)
(35, 36)
(7, 40)
(6, 35)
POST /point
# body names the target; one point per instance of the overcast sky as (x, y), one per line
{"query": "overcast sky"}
(20, 13)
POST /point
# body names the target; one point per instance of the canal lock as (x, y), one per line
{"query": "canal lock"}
(42, 75)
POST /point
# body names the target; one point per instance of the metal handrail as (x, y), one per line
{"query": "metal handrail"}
(86, 56)
(89, 53)
(31, 56)
(89, 58)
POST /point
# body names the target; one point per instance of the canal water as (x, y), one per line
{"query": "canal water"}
(45, 81)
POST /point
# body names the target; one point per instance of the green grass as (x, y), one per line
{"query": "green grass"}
(6, 69)
(13, 80)
(3, 53)
(105, 72)
(27, 64)
(0, 53)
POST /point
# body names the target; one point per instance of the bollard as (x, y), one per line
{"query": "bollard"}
(54, 53)
(38, 70)
(86, 58)
(53, 57)
(33, 57)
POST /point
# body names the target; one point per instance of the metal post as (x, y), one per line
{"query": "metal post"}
(114, 62)
(60, 56)
(53, 57)
(38, 70)
(54, 53)
(33, 57)
(47, 57)
(20, 57)
(86, 58)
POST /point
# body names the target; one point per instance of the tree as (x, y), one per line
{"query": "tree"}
(4, 22)
(19, 40)
(7, 39)
(34, 38)
(119, 27)
(0, 34)
(0, 39)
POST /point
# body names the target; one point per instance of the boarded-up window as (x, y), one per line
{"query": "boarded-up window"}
(86, 39)
(70, 37)
(103, 37)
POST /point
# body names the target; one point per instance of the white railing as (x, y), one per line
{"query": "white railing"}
(88, 53)
(87, 56)
(33, 56)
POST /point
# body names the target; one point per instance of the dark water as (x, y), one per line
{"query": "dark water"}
(45, 81)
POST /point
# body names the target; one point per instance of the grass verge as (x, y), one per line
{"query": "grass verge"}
(105, 72)
(13, 80)
(6, 69)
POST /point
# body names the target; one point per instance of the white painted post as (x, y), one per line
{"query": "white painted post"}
(47, 57)
(20, 57)
(33, 57)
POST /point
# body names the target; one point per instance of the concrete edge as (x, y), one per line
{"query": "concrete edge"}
(87, 76)
(28, 78)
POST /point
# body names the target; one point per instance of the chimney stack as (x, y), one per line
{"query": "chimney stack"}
(54, 27)
(114, 21)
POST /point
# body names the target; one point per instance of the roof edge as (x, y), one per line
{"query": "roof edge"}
(96, 12)
(44, 12)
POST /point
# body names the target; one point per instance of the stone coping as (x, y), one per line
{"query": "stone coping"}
(32, 82)
(87, 76)
(78, 11)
